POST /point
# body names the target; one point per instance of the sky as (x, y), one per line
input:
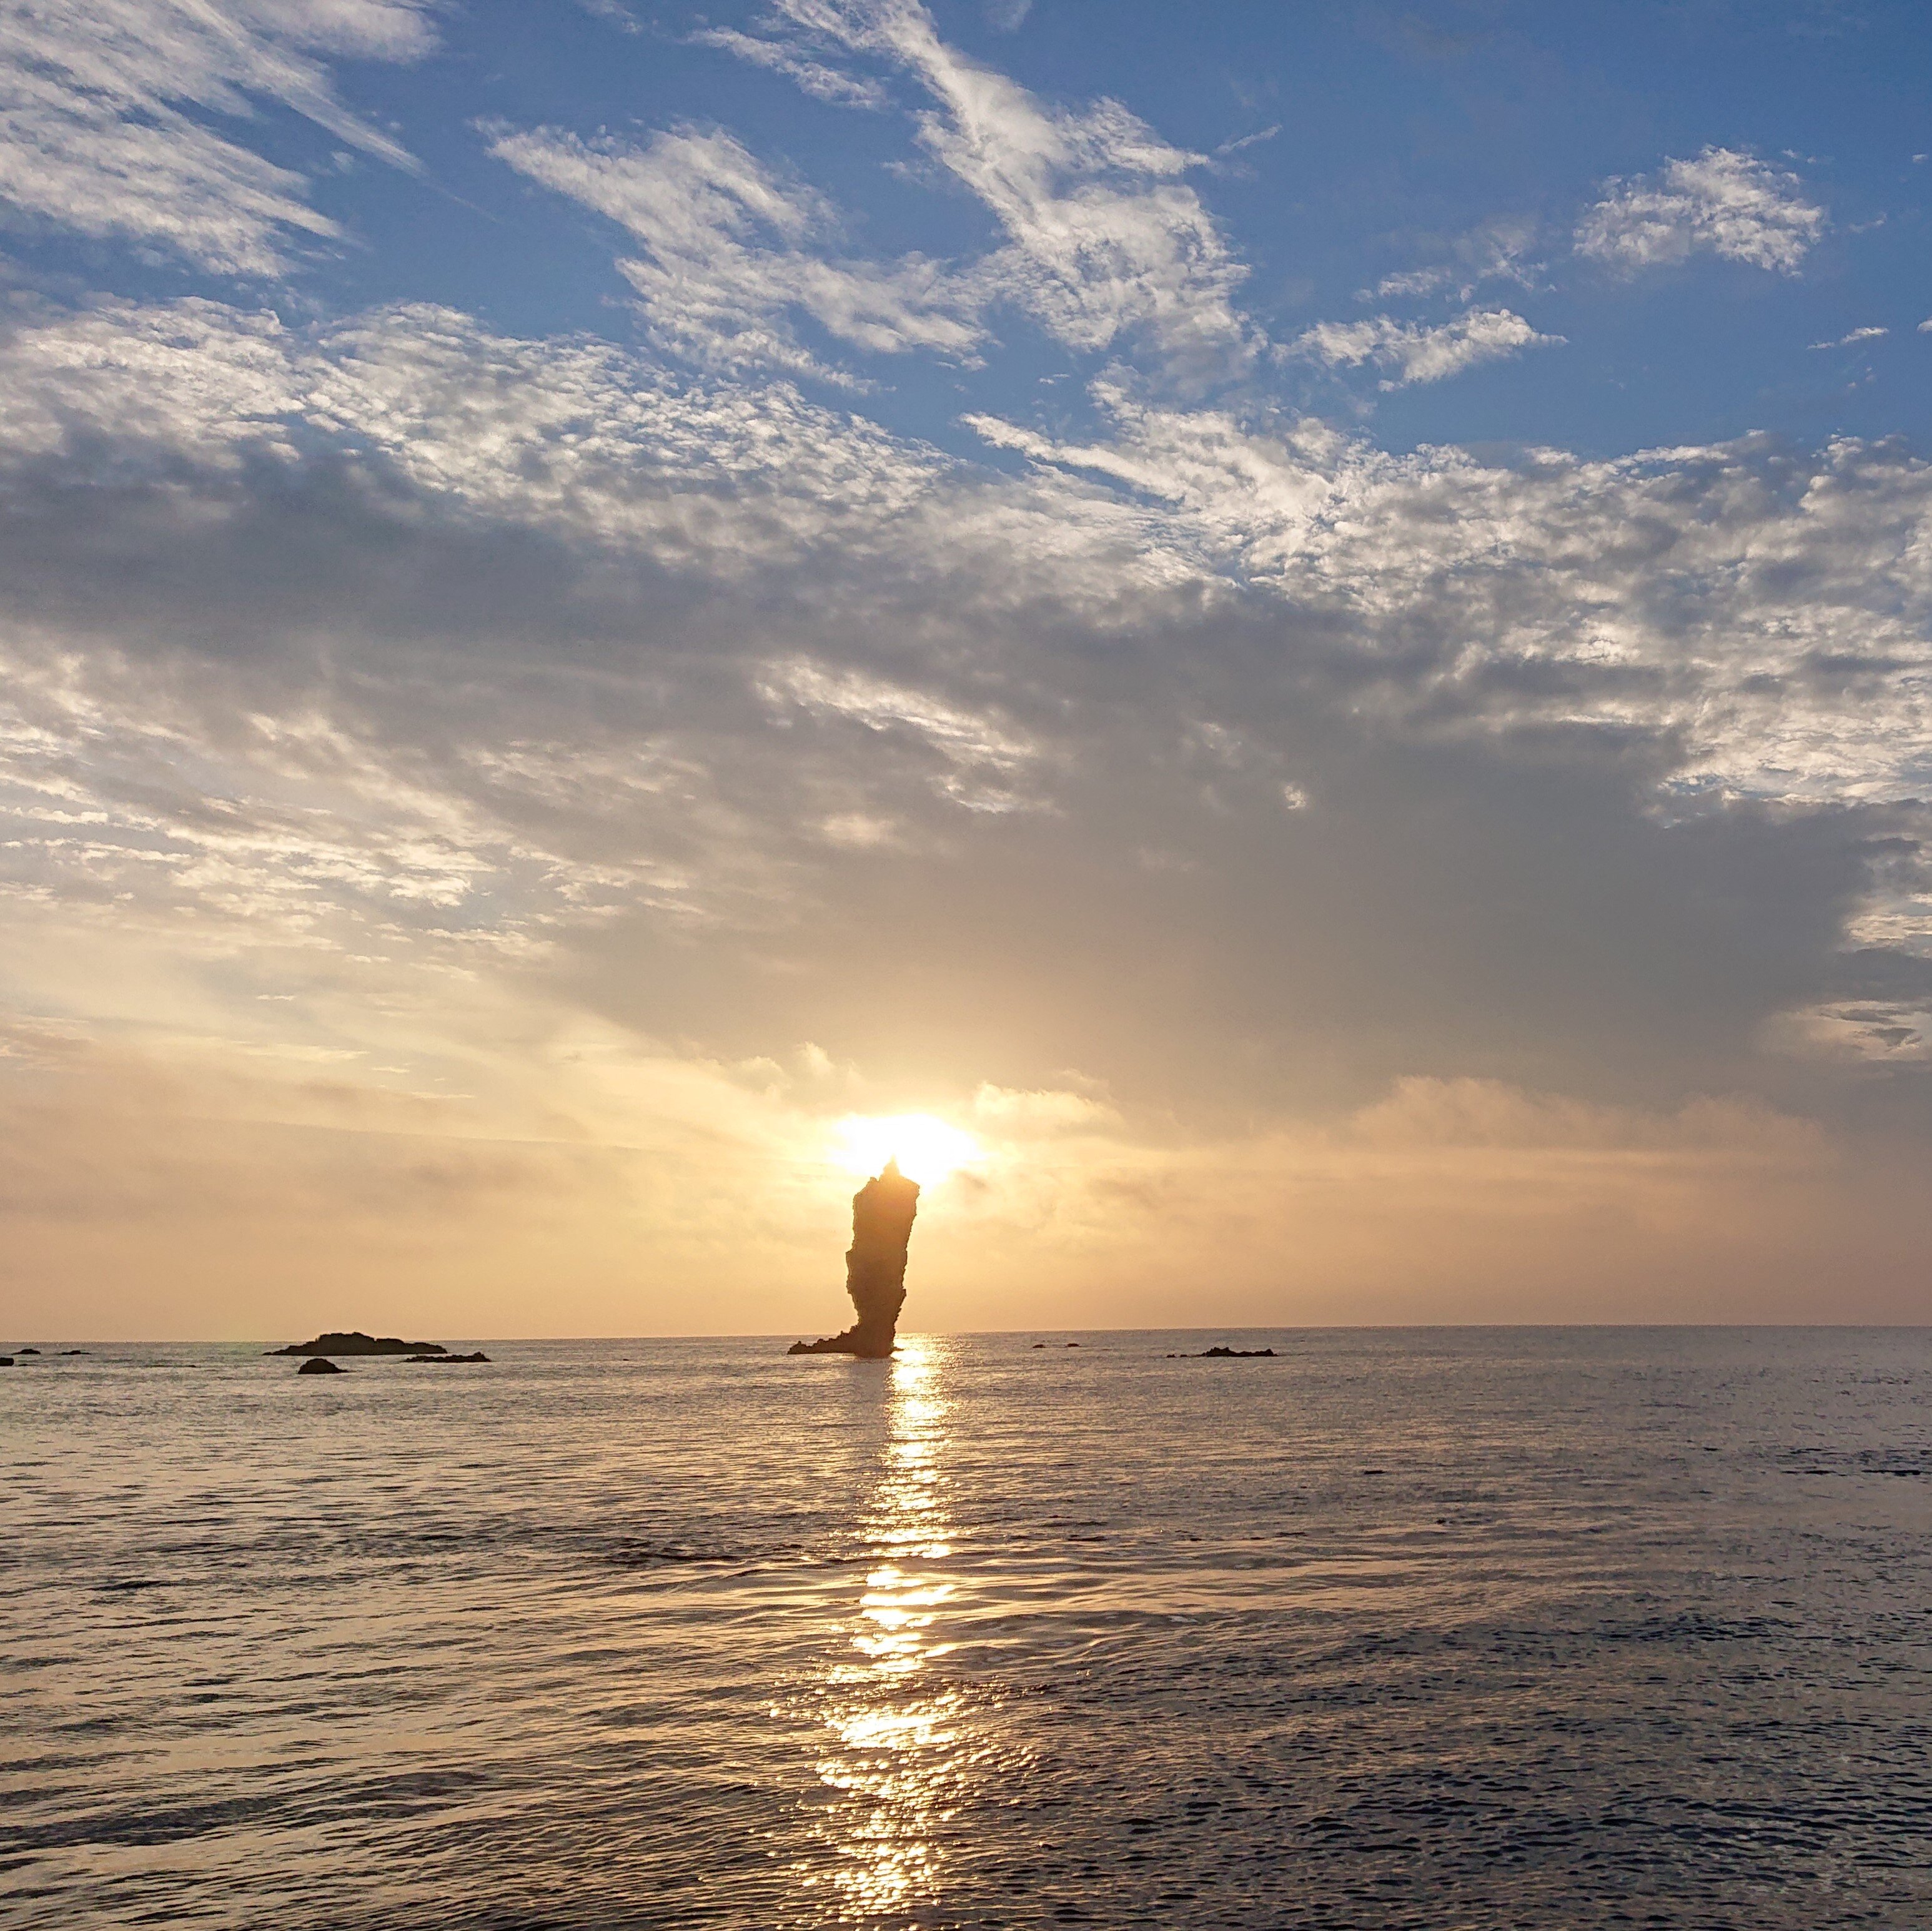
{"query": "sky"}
(1304, 626)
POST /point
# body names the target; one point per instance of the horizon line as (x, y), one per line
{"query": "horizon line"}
(1305, 1327)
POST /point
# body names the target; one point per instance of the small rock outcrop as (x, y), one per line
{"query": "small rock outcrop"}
(451, 1358)
(875, 1265)
(356, 1342)
(30, 1350)
(320, 1364)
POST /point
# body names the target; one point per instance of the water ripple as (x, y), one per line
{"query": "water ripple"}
(1430, 1629)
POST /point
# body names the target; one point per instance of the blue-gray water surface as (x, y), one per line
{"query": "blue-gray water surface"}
(1457, 1630)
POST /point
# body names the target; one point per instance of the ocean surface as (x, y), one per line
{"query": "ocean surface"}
(1454, 1629)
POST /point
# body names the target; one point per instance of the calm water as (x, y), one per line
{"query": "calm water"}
(1452, 1629)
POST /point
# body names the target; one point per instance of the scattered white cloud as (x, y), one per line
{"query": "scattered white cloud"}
(1106, 244)
(1106, 241)
(1854, 335)
(1410, 282)
(822, 82)
(96, 134)
(1497, 250)
(1241, 141)
(1724, 202)
(1419, 354)
(733, 249)
(966, 742)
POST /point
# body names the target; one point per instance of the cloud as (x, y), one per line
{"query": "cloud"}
(1234, 146)
(1105, 243)
(1043, 1111)
(1567, 592)
(961, 738)
(197, 378)
(1856, 335)
(1801, 580)
(620, 16)
(1468, 1115)
(1725, 202)
(731, 252)
(785, 677)
(1495, 251)
(1436, 1201)
(96, 136)
(1106, 247)
(1598, 785)
(822, 82)
(1418, 353)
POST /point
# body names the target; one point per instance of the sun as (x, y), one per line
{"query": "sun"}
(927, 1150)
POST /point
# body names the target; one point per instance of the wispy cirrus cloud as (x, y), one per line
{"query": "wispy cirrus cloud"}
(98, 132)
(1723, 203)
(1418, 353)
(1497, 250)
(733, 250)
(1106, 245)
(816, 77)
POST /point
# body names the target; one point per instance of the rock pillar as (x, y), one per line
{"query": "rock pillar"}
(875, 1265)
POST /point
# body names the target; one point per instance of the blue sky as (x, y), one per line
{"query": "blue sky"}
(1342, 148)
(1313, 622)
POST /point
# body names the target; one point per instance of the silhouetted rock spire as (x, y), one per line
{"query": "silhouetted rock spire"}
(875, 1265)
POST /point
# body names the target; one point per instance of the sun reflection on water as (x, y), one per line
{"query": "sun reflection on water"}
(896, 1752)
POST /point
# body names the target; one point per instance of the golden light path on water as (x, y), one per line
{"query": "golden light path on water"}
(898, 1752)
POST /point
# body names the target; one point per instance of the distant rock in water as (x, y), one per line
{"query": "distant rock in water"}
(318, 1364)
(6, 1360)
(875, 1265)
(1234, 1355)
(359, 1343)
(479, 1356)
(30, 1350)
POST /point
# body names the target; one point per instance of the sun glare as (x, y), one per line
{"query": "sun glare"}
(927, 1150)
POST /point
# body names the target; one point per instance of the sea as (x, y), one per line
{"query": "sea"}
(1457, 1629)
